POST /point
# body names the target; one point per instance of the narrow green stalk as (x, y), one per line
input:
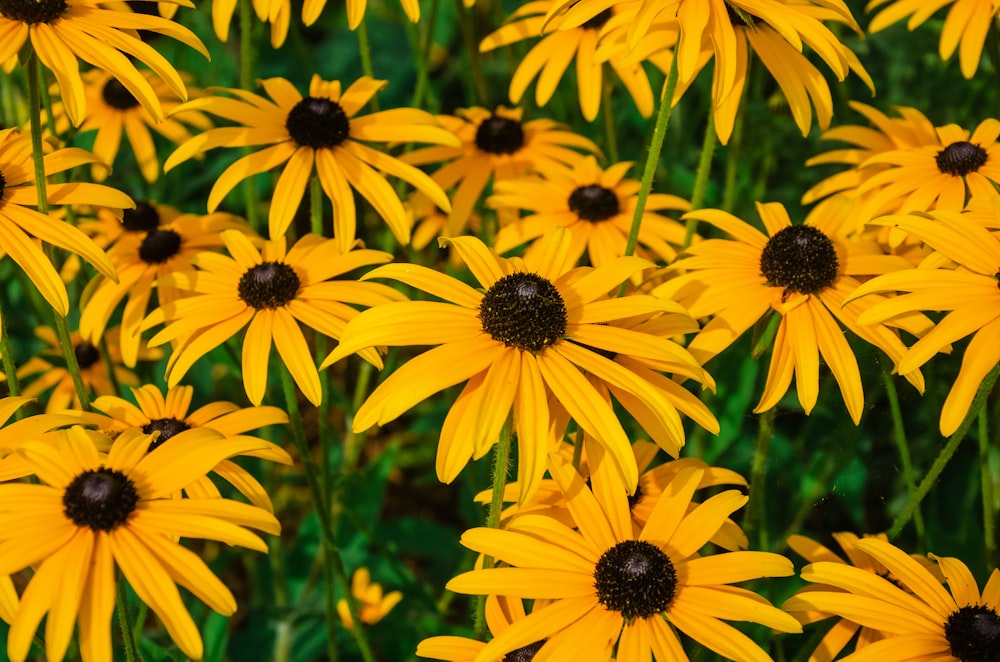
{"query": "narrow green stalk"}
(653, 158)
(247, 83)
(701, 177)
(501, 465)
(352, 439)
(610, 132)
(425, 43)
(986, 481)
(365, 48)
(110, 367)
(475, 69)
(125, 623)
(7, 355)
(758, 480)
(281, 651)
(946, 453)
(899, 436)
(993, 48)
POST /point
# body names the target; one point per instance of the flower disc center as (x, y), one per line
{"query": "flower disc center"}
(799, 258)
(960, 158)
(117, 96)
(635, 578)
(268, 285)
(33, 11)
(499, 135)
(86, 354)
(167, 427)
(593, 203)
(973, 632)
(318, 122)
(101, 498)
(144, 218)
(159, 246)
(525, 311)
(524, 653)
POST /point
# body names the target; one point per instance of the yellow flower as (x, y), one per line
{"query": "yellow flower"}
(611, 584)
(270, 293)
(19, 223)
(534, 332)
(60, 31)
(373, 604)
(500, 614)
(89, 518)
(311, 10)
(318, 134)
(924, 620)
(276, 12)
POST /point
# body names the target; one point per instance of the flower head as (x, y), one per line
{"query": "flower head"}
(374, 604)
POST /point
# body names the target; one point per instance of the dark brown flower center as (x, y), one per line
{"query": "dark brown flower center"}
(159, 246)
(33, 11)
(101, 498)
(167, 427)
(144, 218)
(799, 258)
(598, 21)
(593, 202)
(635, 578)
(318, 122)
(960, 158)
(499, 135)
(117, 96)
(525, 311)
(524, 653)
(86, 354)
(973, 632)
(268, 285)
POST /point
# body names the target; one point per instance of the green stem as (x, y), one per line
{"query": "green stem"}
(424, 44)
(701, 177)
(125, 622)
(610, 134)
(478, 86)
(653, 158)
(7, 356)
(986, 480)
(946, 453)
(501, 464)
(365, 48)
(733, 161)
(899, 436)
(758, 478)
(993, 48)
(247, 83)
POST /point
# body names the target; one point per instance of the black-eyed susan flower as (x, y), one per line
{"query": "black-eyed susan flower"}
(15, 433)
(610, 584)
(804, 273)
(61, 31)
(113, 112)
(500, 613)
(535, 332)
(596, 205)
(965, 27)
(943, 174)
(374, 604)
(319, 134)
(142, 258)
(311, 10)
(170, 415)
(494, 146)
(969, 293)
(556, 50)
(270, 292)
(90, 517)
(19, 222)
(924, 620)
(48, 371)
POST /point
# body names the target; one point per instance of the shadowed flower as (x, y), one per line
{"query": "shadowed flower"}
(610, 584)
(60, 31)
(89, 518)
(921, 619)
(494, 147)
(318, 134)
(533, 333)
(373, 604)
(19, 223)
(270, 292)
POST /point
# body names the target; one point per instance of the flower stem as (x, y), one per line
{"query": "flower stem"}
(610, 136)
(899, 436)
(701, 177)
(425, 43)
(758, 480)
(7, 355)
(986, 481)
(365, 48)
(247, 83)
(476, 93)
(501, 464)
(653, 158)
(946, 453)
(125, 622)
